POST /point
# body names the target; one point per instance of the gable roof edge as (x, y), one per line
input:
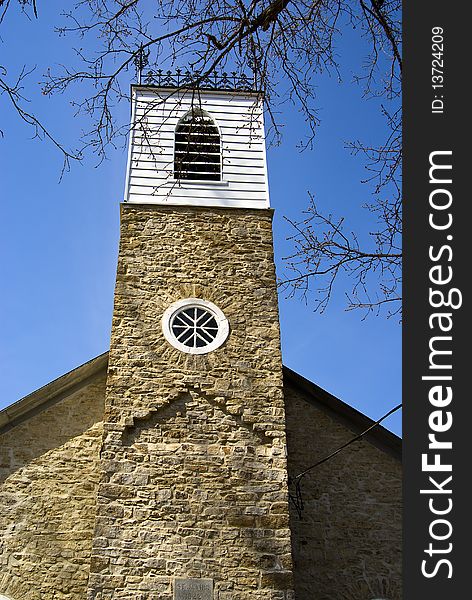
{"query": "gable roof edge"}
(72, 381)
(356, 421)
(52, 392)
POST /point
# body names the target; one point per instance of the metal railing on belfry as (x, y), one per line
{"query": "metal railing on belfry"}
(237, 82)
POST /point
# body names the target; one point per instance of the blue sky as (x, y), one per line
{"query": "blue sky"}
(59, 241)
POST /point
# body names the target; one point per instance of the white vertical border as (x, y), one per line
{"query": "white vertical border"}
(130, 142)
(264, 151)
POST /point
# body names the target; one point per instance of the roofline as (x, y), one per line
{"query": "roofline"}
(72, 381)
(51, 393)
(356, 421)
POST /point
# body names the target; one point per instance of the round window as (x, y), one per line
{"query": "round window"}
(195, 326)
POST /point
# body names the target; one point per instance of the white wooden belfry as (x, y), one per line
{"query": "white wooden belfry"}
(238, 115)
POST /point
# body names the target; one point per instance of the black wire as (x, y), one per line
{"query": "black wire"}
(355, 439)
(297, 499)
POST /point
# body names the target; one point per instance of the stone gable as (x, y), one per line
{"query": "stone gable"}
(49, 476)
(346, 545)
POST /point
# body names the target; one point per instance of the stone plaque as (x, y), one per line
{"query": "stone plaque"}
(193, 589)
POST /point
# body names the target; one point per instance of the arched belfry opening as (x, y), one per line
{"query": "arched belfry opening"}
(197, 151)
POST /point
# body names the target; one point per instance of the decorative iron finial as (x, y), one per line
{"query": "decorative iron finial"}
(141, 60)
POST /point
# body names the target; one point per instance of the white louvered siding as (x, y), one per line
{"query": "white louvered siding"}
(239, 118)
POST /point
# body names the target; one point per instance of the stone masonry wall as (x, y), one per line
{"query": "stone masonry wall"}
(194, 480)
(48, 481)
(347, 545)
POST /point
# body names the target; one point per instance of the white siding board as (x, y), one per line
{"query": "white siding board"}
(230, 177)
(141, 182)
(230, 173)
(234, 119)
(219, 103)
(158, 186)
(247, 160)
(192, 193)
(229, 136)
(238, 138)
(222, 202)
(163, 153)
(238, 177)
(236, 141)
(150, 166)
(230, 112)
(240, 153)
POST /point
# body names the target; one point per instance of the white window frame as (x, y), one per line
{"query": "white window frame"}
(222, 321)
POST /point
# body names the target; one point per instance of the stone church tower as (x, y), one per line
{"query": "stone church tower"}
(160, 470)
(193, 499)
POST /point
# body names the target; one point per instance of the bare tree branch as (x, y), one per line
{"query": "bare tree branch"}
(324, 252)
(286, 44)
(14, 94)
